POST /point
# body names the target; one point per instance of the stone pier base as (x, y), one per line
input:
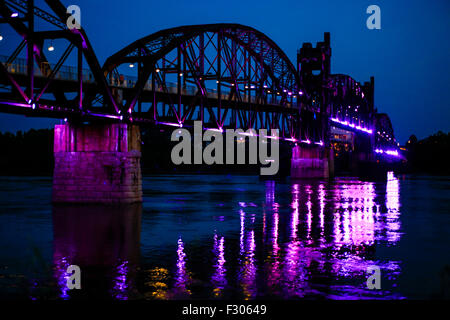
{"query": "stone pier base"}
(311, 163)
(97, 163)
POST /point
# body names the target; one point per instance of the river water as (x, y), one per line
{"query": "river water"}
(239, 237)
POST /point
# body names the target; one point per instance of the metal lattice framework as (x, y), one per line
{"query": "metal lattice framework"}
(384, 132)
(232, 75)
(351, 101)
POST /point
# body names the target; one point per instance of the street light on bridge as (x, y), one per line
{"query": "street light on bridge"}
(51, 47)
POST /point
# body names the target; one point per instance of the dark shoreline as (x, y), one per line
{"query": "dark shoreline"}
(31, 154)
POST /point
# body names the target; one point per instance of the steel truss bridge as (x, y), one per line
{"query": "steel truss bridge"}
(225, 75)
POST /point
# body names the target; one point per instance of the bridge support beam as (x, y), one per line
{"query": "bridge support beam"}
(97, 163)
(311, 162)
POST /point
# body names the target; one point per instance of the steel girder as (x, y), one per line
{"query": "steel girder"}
(350, 101)
(384, 132)
(234, 72)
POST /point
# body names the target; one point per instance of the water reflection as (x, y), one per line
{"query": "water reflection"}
(182, 276)
(354, 216)
(332, 237)
(104, 242)
(393, 209)
(303, 240)
(273, 260)
(218, 278)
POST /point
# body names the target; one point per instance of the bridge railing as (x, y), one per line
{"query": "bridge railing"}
(67, 73)
(19, 66)
(190, 90)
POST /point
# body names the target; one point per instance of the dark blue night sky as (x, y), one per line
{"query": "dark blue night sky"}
(409, 56)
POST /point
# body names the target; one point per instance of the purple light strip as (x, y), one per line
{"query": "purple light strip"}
(180, 125)
(320, 143)
(170, 124)
(351, 125)
(388, 152)
(214, 129)
(248, 134)
(22, 105)
(273, 137)
(120, 281)
(221, 130)
(35, 106)
(110, 116)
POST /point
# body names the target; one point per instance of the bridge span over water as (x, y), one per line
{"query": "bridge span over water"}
(224, 75)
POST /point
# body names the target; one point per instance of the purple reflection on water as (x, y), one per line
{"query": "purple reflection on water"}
(393, 208)
(120, 286)
(218, 278)
(308, 239)
(242, 230)
(295, 213)
(264, 225)
(61, 264)
(358, 225)
(247, 263)
(349, 208)
(272, 264)
(293, 274)
(321, 213)
(248, 267)
(309, 214)
(270, 191)
(354, 222)
(181, 276)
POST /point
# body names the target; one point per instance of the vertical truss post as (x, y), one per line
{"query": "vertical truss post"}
(273, 93)
(154, 94)
(246, 82)
(184, 70)
(30, 49)
(162, 81)
(179, 81)
(80, 77)
(202, 71)
(140, 79)
(261, 79)
(219, 77)
(234, 81)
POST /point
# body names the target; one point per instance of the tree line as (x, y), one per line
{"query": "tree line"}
(31, 153)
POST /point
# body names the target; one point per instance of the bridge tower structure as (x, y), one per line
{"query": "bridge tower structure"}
(314, 159)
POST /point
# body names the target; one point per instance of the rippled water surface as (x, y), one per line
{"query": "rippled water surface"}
(219, 237)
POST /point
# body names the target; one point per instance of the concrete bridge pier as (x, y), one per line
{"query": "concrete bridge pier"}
(312, 162)
(97, 163)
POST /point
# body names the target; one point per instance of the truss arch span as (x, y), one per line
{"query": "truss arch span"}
(231, 61)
